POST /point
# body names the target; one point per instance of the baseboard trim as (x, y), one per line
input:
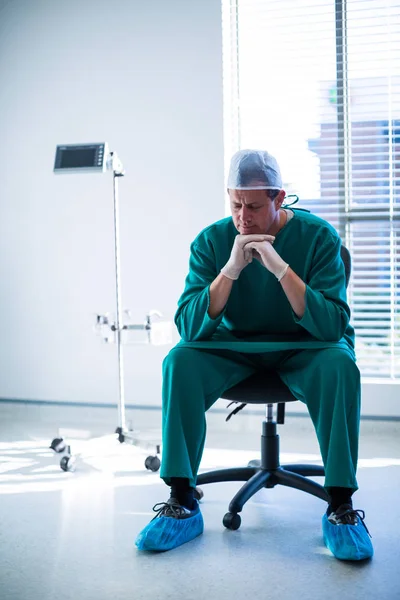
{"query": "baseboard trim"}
(154, 407)
(78, 404)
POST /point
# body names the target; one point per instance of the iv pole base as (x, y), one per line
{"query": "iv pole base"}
(152, 462)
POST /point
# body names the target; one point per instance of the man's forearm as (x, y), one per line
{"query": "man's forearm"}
(220, 290)
(295, 290)
(293, 286)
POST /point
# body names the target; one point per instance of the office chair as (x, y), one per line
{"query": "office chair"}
(266, 387)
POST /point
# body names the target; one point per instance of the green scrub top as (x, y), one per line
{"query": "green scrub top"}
(258, 317)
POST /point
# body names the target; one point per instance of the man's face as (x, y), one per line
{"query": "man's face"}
(253, 212)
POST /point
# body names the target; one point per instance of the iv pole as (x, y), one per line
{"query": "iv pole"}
(118, 172)
(124, 434)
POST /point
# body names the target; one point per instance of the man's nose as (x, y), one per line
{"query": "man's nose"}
(245, 214)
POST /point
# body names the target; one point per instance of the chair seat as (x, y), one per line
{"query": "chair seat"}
(264, 387)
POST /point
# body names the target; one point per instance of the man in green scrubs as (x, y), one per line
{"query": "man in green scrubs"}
(266, 288)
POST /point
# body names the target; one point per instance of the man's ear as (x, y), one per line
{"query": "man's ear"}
(279, 199)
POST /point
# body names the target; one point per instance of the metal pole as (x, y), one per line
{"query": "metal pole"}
(234, 91)
(119, 325)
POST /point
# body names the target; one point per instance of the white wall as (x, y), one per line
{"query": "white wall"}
(147, 78)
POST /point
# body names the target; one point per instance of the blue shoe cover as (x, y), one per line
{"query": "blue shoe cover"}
(346, 541)
(171, 527)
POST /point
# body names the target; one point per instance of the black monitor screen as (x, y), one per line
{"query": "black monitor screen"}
(78, 157)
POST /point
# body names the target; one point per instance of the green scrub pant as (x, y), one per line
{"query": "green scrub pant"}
(327, 381)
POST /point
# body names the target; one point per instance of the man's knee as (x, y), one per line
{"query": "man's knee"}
(336, 362)
(182, 359)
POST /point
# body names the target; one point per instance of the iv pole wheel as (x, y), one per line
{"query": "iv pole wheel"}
(152, 463)
(121, 437)
(58, 445)
(67, 463)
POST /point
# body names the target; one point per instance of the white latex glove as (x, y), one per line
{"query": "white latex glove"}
(239, 258)
(268, 256)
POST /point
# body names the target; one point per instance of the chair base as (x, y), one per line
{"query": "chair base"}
(267, 473)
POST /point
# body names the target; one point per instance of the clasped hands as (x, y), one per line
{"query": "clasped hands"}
(258, 246)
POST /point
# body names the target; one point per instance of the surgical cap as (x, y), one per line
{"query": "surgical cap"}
(254, 170)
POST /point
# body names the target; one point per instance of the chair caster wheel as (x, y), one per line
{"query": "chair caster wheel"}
(67, 463)
(198, 493)
(232, 521)
(58, 445)
(152, 463)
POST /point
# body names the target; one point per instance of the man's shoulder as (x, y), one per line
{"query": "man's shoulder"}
(315, 223)
(214, 231)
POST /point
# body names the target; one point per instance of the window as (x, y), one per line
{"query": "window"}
(317, 83)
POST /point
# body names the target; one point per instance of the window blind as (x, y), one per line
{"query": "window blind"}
(317, 83)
